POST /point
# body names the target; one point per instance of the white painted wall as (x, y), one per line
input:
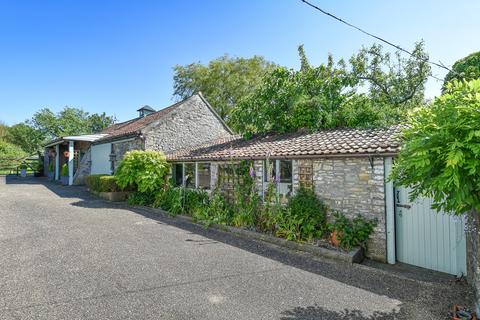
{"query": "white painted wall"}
(101, 158)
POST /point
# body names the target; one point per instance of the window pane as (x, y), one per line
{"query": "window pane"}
(286, 171)
(177, 174)
(189, 175)
(269, 171)
(204, 175)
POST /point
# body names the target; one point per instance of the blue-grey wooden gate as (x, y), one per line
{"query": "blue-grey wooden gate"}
(427, 238)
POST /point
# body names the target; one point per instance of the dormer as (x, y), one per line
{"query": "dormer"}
(145, 111)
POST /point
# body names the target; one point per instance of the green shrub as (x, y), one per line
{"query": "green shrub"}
(144, 170)
(102, 183)
(217, 211)
(170, 199)
(65, 170)
(246, 200)
(22, 166)
(179, 200)
(305, 202)
(352, 232)
(441, 150)
(304, 218)
(141, 198)
(267, 216)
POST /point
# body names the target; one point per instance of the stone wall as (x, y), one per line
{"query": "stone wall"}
(83, 169)
(473, 254)
(122, 147)
(353, 186)
(190, 124)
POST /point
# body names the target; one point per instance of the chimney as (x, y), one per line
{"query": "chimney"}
(145, 111)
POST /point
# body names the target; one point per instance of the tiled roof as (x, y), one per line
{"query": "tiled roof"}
(325, 143)
(134, 126)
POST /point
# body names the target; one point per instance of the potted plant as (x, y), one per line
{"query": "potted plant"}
(51, 174)
(23, 170)
(64, 175)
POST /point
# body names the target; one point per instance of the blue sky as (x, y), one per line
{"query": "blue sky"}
(115, 56)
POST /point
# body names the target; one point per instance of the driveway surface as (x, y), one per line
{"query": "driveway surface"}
(65, 254)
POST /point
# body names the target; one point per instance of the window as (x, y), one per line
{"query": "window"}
(269, 171)
(203, 175)
(285, 171)
(178, 174)
(284, 168)
(189, 175)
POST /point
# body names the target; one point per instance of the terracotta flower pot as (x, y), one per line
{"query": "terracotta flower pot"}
(334, 238)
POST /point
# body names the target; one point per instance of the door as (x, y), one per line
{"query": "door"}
(427, 238)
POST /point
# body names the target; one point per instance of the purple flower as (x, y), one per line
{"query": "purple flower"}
(252, 172)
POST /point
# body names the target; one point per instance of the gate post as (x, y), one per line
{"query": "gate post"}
(390, 212)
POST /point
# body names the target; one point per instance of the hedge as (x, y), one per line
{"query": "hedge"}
(102, 183)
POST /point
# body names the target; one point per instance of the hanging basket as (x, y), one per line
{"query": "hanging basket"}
(66, 154)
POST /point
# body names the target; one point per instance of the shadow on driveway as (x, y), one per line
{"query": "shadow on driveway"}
(435, 294)
(317, 312)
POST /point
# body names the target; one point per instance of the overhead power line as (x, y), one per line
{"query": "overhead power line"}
(440, 65)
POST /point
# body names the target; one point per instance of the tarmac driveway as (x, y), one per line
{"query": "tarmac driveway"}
(66, 255)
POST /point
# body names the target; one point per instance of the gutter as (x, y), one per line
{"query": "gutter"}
(117, 138)
(290, 157)
(54, 142)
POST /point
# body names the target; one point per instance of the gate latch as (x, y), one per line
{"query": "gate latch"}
(407, 206)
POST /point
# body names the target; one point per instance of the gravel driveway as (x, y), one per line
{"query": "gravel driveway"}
(66, 255)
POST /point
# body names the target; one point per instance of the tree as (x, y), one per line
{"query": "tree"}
(372, 90)
(467, 68)
(394, 81)
(288, 100)
(99, 122)
(3, 131)
(10, 154)
(26, 137)
(69, 121)
(223, 82)
(441, 148)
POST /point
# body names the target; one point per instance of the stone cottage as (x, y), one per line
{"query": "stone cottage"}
(349, 170)
(182, 125)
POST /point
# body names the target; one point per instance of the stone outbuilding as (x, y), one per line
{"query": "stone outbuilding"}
(182, 125)
(348, 169)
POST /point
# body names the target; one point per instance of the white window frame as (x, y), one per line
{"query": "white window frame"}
(196, 175)
(196, 181)
(266, 178)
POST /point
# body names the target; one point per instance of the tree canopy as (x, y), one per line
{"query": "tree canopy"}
(223, 82)
(26, 137)
(69, 121)
(467, 68)
(45, 125)
(372, 89)
(439, 157)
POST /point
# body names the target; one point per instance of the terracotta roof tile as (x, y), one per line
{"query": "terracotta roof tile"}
(134, 126)
(295, 145)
